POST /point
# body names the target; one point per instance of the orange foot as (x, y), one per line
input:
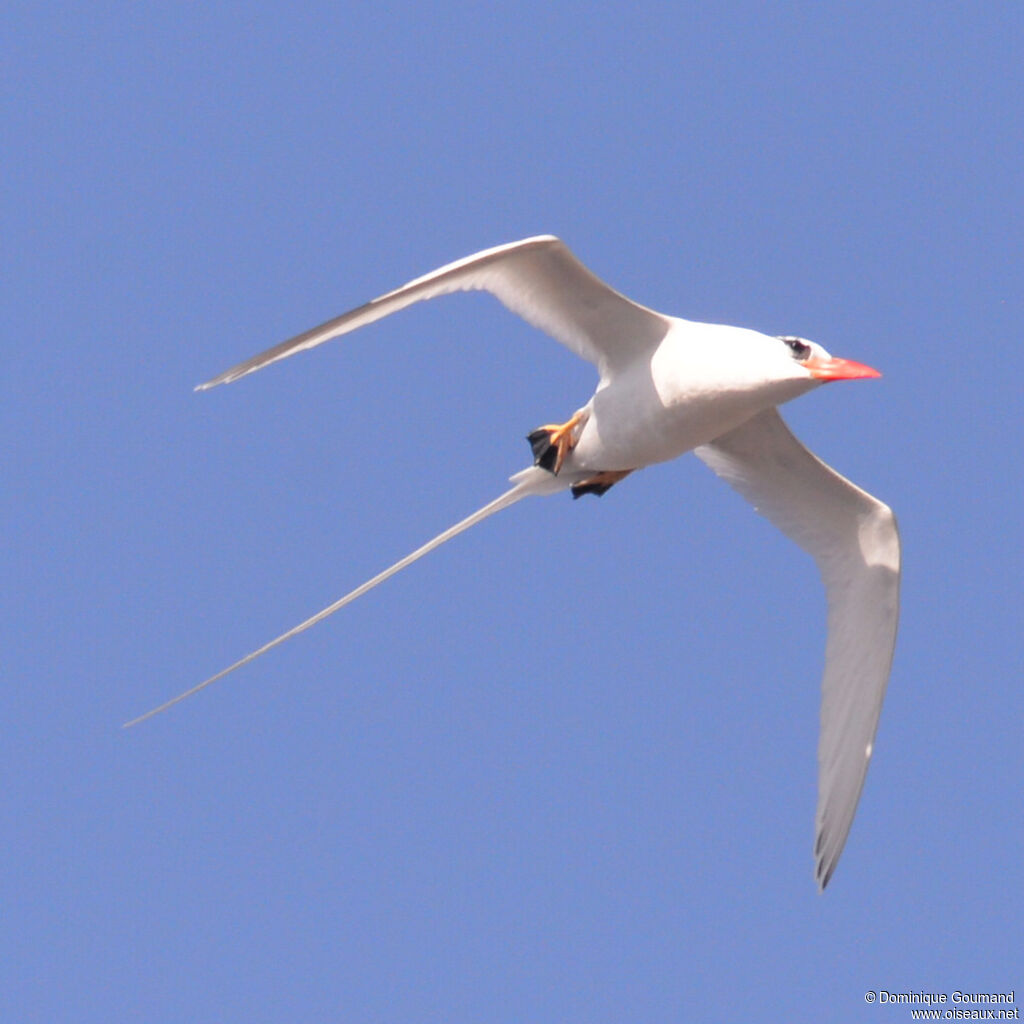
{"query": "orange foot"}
(599, 483)
(553, 442)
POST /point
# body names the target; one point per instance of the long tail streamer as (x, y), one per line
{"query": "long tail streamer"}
(529, 482)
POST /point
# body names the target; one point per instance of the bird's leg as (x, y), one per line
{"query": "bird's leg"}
(552, 442)
(599, 483)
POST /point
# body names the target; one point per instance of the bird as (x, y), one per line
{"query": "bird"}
(667, 386)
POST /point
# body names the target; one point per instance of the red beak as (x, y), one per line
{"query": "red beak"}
(838, 369)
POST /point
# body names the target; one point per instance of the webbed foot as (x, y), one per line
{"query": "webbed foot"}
(553, 442)
(599, 483)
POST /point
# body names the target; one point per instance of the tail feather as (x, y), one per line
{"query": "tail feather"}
(529, 482)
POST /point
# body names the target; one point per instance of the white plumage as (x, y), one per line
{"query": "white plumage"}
(667, 386)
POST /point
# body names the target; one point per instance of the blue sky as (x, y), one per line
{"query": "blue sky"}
(564, 769)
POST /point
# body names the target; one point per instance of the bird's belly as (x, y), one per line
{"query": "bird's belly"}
(628, 428)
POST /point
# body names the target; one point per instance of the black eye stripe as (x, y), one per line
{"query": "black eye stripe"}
(800, 349)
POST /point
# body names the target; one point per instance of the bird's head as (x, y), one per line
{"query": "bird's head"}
(821, 366)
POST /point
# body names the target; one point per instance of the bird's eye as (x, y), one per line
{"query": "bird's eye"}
(800, 349)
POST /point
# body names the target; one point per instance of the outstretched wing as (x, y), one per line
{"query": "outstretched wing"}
(537, 278)
(854, 540)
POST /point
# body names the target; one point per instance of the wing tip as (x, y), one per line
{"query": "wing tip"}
(823, 873)
(224, 378)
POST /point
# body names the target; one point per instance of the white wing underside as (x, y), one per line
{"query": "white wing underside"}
(537, 278)
(853, 538)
